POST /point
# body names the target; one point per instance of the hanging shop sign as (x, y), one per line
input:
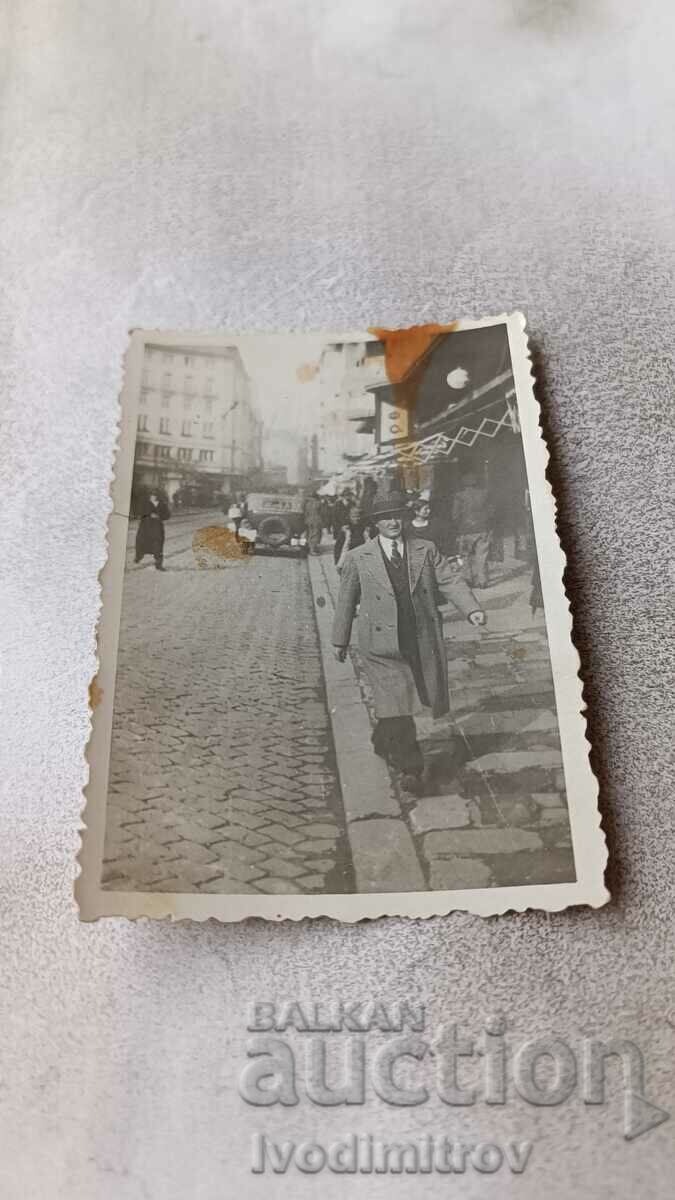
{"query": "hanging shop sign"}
(438, 446)
(392, 418)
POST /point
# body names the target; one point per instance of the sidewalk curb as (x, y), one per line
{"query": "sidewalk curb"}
(372, 811)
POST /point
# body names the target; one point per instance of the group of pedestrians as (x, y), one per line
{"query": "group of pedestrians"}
(333, 514)
(464, 532)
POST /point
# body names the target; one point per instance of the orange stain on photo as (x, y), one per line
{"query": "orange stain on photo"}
(213, 544)
(307, 372)
(403, 347)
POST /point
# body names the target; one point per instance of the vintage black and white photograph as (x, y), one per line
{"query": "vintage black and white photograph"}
(336, 668)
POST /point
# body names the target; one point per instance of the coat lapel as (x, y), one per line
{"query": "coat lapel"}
(372, 553)
(416, 555)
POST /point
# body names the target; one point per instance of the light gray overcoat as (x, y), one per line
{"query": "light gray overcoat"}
(365, 583)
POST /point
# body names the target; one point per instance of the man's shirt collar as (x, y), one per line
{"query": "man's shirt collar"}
(387, 544)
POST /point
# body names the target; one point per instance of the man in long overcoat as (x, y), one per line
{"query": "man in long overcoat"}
(150, 535)
(395, 581)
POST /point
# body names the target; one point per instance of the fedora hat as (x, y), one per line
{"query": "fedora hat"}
(393, 505)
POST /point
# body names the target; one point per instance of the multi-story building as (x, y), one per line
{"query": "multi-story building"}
(197, 424)
(346, 369)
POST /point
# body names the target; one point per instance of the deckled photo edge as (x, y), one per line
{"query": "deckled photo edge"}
(102, 686)
(588, 840)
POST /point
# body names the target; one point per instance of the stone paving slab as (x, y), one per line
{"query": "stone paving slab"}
(440, 812)
(465, 843)
(520, 721)
(385, 859)
(450, 874)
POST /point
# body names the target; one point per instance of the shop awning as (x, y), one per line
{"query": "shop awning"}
(488, 414)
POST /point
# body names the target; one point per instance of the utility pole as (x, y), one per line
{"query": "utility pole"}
(234, 404)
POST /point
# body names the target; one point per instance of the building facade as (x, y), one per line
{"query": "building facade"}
(197, 428)
(346, 369)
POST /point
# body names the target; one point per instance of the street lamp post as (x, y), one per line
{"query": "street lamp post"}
(234, 404)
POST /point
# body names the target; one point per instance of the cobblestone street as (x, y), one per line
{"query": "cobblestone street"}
(222, 776)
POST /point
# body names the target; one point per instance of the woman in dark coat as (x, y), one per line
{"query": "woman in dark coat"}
(150, 536)
(349, 536)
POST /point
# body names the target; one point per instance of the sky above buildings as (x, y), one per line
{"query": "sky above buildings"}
(288, 390)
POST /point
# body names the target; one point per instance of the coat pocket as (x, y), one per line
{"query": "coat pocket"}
(383, 640)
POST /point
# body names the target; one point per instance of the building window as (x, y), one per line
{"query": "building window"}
(208, 387)
(164, 425)
(189, 385)
(188, 360)
(206, 455)
(166, 380)
(207, 429)
(143, 398)
(187, 404)
(186, 429)
(142, 449)
(163, 451)
(208, 406)
(165, 402)
(185, 453)
(142, 425)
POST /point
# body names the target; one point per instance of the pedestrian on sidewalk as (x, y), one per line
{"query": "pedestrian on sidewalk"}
(421, 520)
(472, 521)
(154, 511)
(235, 515)
(341, 508)
(427, 523)
(349, 536)
(396, 579)
(314, 519)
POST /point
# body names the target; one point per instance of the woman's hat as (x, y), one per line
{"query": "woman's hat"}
(393, 505)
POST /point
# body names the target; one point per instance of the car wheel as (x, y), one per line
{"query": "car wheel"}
(276, 532)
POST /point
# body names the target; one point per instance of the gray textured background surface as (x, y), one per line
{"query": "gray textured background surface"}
(255, 165)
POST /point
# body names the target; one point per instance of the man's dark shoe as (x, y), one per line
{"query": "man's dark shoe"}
(414, 784)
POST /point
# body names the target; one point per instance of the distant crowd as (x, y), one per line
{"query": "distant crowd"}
(467, 525)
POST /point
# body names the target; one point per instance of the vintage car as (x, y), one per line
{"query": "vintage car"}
(278, 522)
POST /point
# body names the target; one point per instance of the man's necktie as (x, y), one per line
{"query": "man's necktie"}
(396, 554)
